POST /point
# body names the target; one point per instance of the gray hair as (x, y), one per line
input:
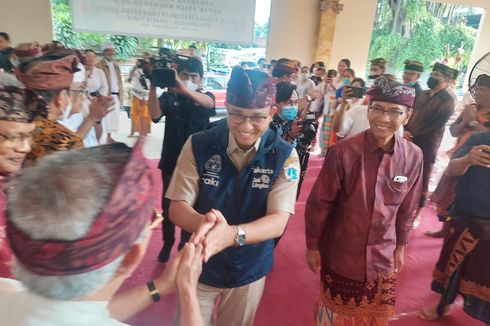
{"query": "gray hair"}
(58, 199)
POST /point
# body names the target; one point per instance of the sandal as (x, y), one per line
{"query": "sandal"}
(430, 314)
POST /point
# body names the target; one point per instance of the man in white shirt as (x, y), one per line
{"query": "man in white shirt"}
(108, 64)
(77, 243)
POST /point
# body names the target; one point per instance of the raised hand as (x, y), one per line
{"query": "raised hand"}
(190, 267)
(100, 106)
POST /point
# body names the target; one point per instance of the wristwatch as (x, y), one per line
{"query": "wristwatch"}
(241, 236)
(152, 289)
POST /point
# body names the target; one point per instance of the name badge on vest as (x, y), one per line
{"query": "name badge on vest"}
(261, 178)
(212, 168)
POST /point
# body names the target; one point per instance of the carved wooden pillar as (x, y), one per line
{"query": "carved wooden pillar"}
(329, 9)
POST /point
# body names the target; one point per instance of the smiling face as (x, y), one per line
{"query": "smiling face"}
(386, 118)
(15, 143)
(341, 66)
(247, 125)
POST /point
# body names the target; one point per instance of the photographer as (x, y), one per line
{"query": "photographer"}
(187, 108)
(298, 132)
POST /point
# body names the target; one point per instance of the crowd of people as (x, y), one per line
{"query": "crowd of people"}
(77, 207)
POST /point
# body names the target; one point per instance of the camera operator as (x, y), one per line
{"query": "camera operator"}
(187, 108)
(298, 132)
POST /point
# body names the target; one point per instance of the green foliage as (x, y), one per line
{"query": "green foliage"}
(62, 26)
(422, 45)
(419, 36)
(126, 46)
(459, 36)
(386, 45)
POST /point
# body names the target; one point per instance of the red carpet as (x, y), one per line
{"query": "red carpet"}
(291, 288)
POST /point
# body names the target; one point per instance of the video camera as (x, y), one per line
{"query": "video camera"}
(310, 127)
(163, 73)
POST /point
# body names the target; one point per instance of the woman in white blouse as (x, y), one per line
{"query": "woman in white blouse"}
(96, 80)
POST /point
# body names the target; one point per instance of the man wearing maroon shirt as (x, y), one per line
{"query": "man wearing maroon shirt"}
(360, 211)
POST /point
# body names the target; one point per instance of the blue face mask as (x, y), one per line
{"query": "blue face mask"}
(289, 112)
(345, 81)
(411, 84)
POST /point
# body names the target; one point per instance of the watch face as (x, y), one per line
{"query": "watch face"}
(240, 239)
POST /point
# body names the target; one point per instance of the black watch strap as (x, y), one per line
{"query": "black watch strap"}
(155, 295)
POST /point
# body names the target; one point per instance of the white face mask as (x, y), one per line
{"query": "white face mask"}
(303, 76)
(190, 85)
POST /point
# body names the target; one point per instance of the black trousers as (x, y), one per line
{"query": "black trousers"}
(168, 228)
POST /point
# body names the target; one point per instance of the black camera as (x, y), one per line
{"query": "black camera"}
(310, 127)
(163, 73)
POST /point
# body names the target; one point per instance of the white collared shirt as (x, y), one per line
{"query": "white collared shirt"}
(18, 306)
(114, 81)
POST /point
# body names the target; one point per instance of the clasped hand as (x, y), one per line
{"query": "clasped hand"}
(214, 233)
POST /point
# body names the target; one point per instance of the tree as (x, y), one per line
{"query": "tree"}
(421, 30)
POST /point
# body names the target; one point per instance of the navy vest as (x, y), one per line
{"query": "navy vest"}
(241, 196)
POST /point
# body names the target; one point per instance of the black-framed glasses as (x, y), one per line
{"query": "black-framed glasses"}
(392, 114)
(256, 120)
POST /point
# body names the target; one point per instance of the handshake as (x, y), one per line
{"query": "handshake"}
(214, 234)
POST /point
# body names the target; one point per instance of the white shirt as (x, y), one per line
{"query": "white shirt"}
(323, 104)
(304, 87)
(18, 306)
(356, 121)
(114, 80)
(74, 122)
(97, 82)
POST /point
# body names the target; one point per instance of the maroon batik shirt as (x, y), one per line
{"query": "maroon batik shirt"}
(362, 205)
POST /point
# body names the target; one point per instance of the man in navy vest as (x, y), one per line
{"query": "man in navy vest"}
(235, 186)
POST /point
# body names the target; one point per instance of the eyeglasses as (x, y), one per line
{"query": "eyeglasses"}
(13, 141)
(156, 219)
(392, 114)
(238, 118)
